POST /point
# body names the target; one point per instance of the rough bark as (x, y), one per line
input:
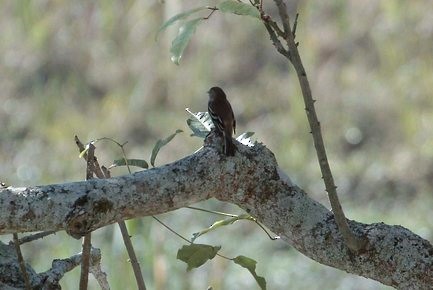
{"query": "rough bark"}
(394, 256)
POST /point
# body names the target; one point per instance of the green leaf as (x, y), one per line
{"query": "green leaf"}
(250, 264)
(161, 143)
(178, 17)
(131, 162)
(219, 224)
(181, 41)
(200, 123)
(238, 8)
(196, 255)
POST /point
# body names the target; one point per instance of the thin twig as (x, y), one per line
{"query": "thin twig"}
(295, 25)
(132, 257)
(85, 261)
(282, 10)
(276, 28)
(103, 172)
(87, 240)
(234, 215)
(274, 31)
(125, 235)
(97, 168)
(353, 242)
(21, 262)
(213, 9)
(34, 237)
(107, 173)
(183, 238)
(171, 230)
(275, 41)
(273, 238)
(80, 146)
(212, 211)
(100, 276)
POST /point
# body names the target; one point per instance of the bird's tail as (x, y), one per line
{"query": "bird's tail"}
(229, 146)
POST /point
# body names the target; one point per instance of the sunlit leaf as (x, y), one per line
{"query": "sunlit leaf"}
(196, 255)
(245, 139)
(131, 162)
(250, 264)
(82, 153)
(238, 8)
(219, 224)
(200, 123)
(181, 41)
(161, 143)
(178, 17)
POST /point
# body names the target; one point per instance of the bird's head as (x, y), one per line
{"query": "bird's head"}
(216, 92)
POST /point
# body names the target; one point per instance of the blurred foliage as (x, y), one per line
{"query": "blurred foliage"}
(93, 68)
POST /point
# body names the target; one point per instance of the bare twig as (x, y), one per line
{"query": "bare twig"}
(295, 25)
(98, 171)
(282, 10)
(21, 262)
(132, 257)
(127, 239)
(106, 172)
(31, 238)
(171, 230)
(85, 261)
(274, 31)
(275, 41)
(273, 238)
(80, 146)
(60, 267)
(213, 9)
(212, 211)
(100, 276)
(102, 172)
(87, 240)
(353, 242)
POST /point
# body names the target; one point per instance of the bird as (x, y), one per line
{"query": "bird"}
(222, 117)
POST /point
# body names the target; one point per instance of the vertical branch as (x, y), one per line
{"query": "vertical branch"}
(103, 172)
(132, 256)
(353, 242)
(87, 243)
(21, 262)
(85, 261)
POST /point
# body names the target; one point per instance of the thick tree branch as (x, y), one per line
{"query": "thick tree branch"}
(252, 180)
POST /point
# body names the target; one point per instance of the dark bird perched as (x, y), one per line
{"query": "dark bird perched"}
(222, 117)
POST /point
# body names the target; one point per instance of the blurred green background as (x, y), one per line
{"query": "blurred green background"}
(93, 68)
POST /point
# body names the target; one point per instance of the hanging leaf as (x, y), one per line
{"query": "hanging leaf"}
(196, 255)
(178, 17)
(131, 162)
(238, 8)
(181, 41)
(161, 143)
(219, 224)
(250, 264)
(200, 123)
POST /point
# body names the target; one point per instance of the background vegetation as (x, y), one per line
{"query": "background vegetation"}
(93, 68)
